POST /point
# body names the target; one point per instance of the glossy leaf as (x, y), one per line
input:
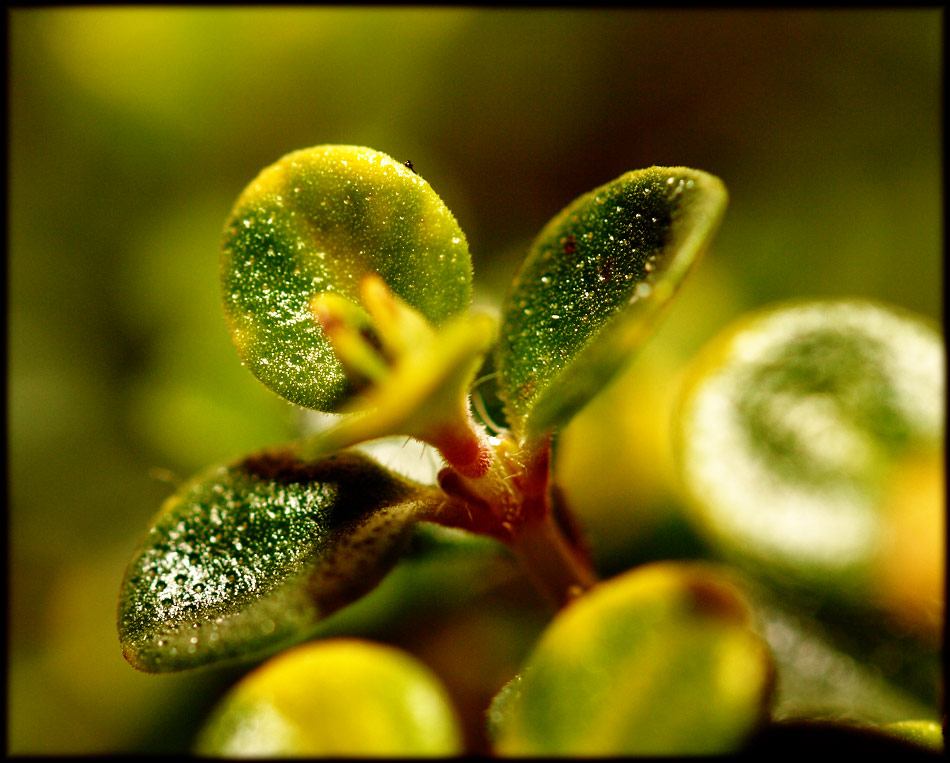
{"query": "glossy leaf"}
(317, 221)
(247, 557)
(591, 285)
(338, 697)
(793, 425)
(660, 660)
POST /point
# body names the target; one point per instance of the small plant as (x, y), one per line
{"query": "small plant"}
(347, 285)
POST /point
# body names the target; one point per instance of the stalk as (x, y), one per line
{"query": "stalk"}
(550, 562)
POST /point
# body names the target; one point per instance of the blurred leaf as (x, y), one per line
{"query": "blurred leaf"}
(319, 220)
(928, 734)
(336, 697)
(792, 430)
(659, 660)
(592, 284)
(249, 556)
(819, 677)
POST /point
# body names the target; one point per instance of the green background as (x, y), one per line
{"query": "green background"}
(132, 131)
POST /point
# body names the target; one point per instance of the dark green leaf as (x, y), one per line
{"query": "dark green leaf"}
(658, 661)
(592, 283)
(317, 221)
(248, 557)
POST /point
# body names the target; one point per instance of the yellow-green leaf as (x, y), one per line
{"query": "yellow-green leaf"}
(317, 221)
(795, 424)
(339, 697)
(592, 284)
(926, 734)
(657, 661)
(248, 557)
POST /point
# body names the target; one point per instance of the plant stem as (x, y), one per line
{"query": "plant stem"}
(550, 561)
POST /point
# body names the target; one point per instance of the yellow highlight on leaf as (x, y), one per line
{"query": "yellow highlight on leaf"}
(338, 697)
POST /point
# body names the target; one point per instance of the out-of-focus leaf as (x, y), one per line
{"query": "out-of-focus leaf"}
(793, 428)
(660, 660)
(335, 697)
(318, 221)
(247, 557)
(591, 285)
(815, 678)
(928, 734)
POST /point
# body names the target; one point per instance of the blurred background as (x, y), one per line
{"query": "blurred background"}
(132, 131)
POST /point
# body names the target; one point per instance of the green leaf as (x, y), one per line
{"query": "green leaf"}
(317, 221)
(247, 557)
(660, 660)
(792, 429)
(337, 697)
(592, 284)
(425, 395)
